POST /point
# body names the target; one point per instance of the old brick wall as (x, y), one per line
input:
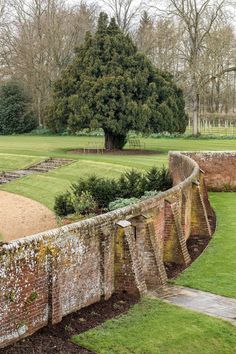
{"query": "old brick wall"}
(219, 169)
(46, 276)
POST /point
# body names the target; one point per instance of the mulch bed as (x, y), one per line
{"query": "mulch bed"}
(196, 245)
(114, 152)
(55, 339)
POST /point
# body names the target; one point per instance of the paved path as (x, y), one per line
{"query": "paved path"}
(200, 301)
(20, 216)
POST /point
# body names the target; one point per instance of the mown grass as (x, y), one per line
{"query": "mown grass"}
(44, 187)
(20, 151)
(10, 162)
(60, 145)
(155, 327)
(214, 271)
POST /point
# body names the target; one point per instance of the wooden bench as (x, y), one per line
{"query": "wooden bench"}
(135, 143)
(98, 148)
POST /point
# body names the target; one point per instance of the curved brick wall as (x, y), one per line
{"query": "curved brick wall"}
(219, 168)
(46, 276)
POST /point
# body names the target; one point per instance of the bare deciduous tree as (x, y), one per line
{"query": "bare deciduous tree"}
(146, 36)
(197, 19)
(40, 41)
(125, 12)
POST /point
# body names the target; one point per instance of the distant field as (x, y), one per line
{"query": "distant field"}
(20, 151)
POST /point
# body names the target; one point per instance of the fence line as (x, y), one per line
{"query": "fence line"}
(222, 127)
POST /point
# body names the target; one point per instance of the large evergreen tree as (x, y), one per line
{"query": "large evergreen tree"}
(110, 85)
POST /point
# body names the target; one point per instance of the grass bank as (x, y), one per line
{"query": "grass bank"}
(155, 327)
(214, 271)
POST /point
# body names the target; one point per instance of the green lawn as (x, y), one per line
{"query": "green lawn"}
(155, 327)
(58, 145)
(44, 187)
(9, 162)
(20, 151)
(215, 271)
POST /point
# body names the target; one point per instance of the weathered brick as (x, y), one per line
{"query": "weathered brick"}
(47, 276)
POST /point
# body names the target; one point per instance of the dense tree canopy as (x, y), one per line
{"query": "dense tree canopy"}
(16, 115)
(110, 85)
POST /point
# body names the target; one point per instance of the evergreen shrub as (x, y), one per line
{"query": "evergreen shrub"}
(16, 114)
(95, 192)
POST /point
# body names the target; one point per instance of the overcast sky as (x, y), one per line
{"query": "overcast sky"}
(160, 3)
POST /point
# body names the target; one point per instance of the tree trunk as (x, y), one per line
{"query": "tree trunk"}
(195, 114)
(40, 123)
(234, 93)
(212, 108)
(114, 141)
(195, 96)
(217, 96)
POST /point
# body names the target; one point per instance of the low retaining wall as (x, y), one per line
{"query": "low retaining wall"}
(47, 276)
(219, 168)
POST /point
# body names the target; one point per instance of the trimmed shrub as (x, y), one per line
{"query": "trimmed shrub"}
(123, 202)
(164, 180)
(103, 190)
(64, 204)
(85, 204)
(101, 193)
(158, 179)
(41, 131)
(152, 179)
(131, 184)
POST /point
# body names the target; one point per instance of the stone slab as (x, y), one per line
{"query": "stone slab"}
(200, 301)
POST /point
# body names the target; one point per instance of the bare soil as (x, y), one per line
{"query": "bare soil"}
(20, 216)
(196, 245)
(55, 339)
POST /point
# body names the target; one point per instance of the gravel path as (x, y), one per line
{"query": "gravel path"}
(20, 216)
